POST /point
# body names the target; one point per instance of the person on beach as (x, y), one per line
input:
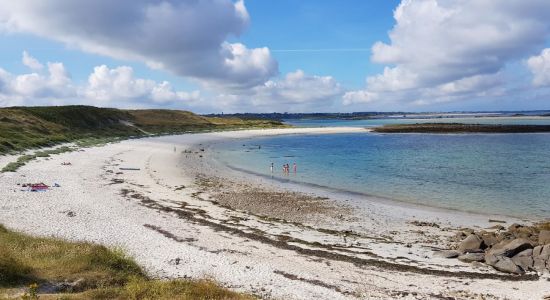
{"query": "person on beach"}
(271, 167)
(295, 168)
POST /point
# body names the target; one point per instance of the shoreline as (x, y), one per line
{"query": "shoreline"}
(343, 195)
(168, 223)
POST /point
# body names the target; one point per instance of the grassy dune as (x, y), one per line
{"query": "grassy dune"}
(31, 127)
(92, 271)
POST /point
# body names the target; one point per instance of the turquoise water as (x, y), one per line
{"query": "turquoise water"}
(489, 173)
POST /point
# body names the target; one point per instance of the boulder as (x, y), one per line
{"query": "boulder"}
(537, 250)
(524, 253)
(490, 259)
(514, 227)
(471, 257)
(447, 254)
(539, 264)
(524, 259)
(470, 243)
(489, 238)
(509, 249)
(541, 257)
(505, 264)
(544, 237)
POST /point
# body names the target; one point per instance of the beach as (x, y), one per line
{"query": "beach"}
(168, 203)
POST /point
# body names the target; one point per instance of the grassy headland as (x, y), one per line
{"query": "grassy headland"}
(31, 127)
(460, 128)
(55, 269)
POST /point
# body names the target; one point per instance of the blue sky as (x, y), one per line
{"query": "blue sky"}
(255, 55)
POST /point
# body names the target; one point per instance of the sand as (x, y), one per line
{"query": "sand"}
(183, 215)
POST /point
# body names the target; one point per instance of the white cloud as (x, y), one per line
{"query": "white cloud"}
(26, 88)
(120, 87)
(540, 67)
(31, 62)
(186, 37)
(105, 87)
(443, 50)
(296, 91)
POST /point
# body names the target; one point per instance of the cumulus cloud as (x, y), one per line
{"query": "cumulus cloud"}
(119, 84)
(186, 37)
(540, 67)
(296, 91)
(449, 50)
(22, 89)
(105, 87)
(31, 62)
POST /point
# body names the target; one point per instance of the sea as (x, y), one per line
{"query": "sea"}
(505, 174)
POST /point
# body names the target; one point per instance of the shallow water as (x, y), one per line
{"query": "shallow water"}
(505, 174)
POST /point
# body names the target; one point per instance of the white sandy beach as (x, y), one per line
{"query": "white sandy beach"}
(174, 226)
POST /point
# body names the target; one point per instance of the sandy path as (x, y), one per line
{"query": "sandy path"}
(174, 232)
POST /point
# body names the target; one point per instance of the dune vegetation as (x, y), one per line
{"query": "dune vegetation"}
(46, 268)
(32, 127)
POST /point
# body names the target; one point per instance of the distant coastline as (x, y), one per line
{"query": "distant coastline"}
(461, 128)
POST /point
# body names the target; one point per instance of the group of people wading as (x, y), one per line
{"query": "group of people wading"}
(286, 168)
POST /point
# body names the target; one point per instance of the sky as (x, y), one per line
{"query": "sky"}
(213, 56)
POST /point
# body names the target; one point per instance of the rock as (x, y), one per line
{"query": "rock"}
(545, 252)
(527, 252)
(539, 264)
(447, 253)
(505, 264)
(510, 249)
(472, 242)
(514, 227)
(541, 257)
(489, 238)
(537, 250)
(496, 227)
(471, 257)
(544, 237)
(490, 259)
(524, 259)
(524, 232)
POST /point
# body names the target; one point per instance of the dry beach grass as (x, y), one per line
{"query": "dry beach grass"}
(57, 268)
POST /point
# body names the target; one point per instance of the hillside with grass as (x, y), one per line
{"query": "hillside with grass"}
(46, 268)
(31, 127)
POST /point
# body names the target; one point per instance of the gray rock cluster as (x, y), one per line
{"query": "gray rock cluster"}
(517, 250)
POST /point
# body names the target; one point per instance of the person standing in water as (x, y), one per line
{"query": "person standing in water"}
(271, 167)
(295, 168)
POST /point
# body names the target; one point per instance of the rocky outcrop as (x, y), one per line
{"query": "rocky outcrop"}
(506, 264)
(544, 237)
(510, 248)
(541, 258)
(517, 249)
(470, 244)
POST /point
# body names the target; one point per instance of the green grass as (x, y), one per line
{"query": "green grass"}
(24, 159)
(104, 273)
(33, 127)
